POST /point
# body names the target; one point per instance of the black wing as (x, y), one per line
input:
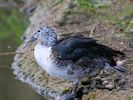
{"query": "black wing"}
(75, 47)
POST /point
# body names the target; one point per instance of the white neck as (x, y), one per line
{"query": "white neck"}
(42, 55)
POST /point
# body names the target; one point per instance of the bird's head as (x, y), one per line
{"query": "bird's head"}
(44, 35)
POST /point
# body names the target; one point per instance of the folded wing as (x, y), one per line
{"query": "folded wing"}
(76, 47)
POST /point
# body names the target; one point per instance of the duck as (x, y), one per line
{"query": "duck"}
(72, 57)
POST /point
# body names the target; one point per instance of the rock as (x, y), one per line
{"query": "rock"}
(29, 6)
(105, 82)
(51, 13)
(109, 86)
(66, 19)
(25, 67)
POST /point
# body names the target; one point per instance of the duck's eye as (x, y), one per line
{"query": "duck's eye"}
(38, 31)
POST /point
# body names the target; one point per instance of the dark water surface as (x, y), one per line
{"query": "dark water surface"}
(10, 88)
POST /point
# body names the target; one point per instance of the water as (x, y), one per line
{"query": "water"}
(10, 88)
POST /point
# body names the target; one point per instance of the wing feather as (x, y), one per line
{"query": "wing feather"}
(76, 47)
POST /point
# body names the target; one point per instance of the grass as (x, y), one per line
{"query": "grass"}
(123, 19)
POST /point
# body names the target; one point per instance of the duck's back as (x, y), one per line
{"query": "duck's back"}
(78, 47)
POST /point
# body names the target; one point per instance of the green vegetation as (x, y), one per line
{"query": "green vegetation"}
(105, 12)
(126, 21)
(82, 6)
(123, 18)
(12, 23)
(89, 5)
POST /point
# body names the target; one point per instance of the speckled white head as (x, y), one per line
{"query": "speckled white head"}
(45, 35)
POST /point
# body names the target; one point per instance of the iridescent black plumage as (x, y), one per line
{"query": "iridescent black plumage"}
(76, 47)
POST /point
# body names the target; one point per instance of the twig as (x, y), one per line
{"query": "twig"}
(92, 30)
(13, 53)
(10, 53)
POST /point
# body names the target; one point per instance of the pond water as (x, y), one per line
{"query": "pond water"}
(11, 28)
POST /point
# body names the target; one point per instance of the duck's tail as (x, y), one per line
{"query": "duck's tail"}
(120, 68)
(117, 68)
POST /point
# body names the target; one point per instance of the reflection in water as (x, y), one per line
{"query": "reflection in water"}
(10, 88)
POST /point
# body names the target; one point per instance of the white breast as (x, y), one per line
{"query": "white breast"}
(42, 56)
